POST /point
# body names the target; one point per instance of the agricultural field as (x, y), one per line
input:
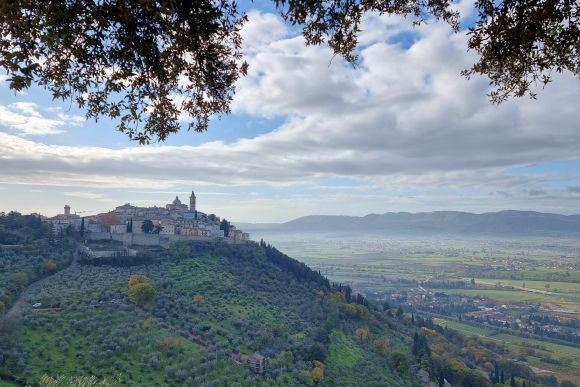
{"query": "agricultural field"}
(573, 288)
(532, 284)
(540, 354)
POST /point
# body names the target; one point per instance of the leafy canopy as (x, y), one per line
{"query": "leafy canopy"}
(140, 291)
(141, 61)
(144, 62)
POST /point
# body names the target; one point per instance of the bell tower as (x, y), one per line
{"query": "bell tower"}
(192, 202)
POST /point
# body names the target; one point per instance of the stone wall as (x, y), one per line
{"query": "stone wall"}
(129, 239)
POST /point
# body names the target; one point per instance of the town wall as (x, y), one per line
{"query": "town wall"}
(129, 239)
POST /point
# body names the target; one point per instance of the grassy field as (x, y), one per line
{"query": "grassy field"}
(538, 353)
(556, 287)
(466, 329)
(344, 352)
(420, 256)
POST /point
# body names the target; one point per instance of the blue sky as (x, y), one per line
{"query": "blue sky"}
(310, 134)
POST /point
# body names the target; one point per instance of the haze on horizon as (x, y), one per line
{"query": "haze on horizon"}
(310, 134)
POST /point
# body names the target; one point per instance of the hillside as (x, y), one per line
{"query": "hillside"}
(230, 299)
(215, 302)
(439, 222)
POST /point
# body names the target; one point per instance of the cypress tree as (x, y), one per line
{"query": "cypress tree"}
(82, 231)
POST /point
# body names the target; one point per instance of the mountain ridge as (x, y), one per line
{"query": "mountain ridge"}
(500, 222)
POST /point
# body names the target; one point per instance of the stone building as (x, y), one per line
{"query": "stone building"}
(176, 205)
(62, 221)
(255, 363)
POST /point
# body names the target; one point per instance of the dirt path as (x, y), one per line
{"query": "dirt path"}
(20, 303)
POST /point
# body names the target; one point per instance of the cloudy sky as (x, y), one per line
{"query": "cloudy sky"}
(310, 134)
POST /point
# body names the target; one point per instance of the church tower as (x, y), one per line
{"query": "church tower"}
(192, 202)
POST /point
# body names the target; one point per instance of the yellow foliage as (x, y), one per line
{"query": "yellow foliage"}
(380, 346)
(48, 265)
(76, 381)
(441, 348)
(349, 309)
(362, 311)
(140, 291)
(317, 373)
(338, 298)
(362, 333)
(429, 332)
(137, 279)
(197, 298)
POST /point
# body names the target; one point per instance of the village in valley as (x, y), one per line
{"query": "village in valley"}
(133, 225)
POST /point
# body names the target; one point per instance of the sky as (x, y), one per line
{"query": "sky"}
(310, 134)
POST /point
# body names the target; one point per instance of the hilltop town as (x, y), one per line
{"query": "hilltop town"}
(150, 225)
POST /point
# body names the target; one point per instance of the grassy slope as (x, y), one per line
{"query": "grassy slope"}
(248, 304)
(346, 365)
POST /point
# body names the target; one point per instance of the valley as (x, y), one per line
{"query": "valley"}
(378, 311)
(500, 290)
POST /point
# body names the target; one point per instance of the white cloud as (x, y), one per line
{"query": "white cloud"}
(29, 108)
(99, 197)
(404, 119)
(26, 119)
(71, 119)
(261, 30)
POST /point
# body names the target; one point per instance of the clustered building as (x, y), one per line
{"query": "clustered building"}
(175, 219)
(62, 221)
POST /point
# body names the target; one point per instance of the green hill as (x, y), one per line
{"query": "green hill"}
(213, 303)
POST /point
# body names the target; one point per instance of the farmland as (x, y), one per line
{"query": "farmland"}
(524, 287)
(540, 354)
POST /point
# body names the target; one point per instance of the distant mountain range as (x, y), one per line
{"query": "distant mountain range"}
(438, 222)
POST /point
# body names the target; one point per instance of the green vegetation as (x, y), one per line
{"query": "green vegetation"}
(204, 304)
(412, 267)
(38, 253)
(350, 361)
(344, 352)
(520, 295)
(140, 291)
(212, 301)
(554, 286)
(16, 229)
(560, 359)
